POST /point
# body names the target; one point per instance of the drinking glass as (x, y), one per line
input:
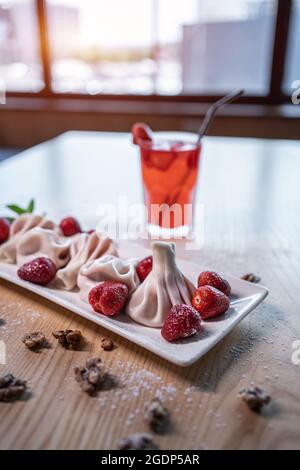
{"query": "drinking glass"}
(169, 171)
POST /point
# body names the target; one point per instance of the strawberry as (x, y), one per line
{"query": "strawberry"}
(181, 322)
(210, 278)
(162, 160)
(108, 297)
(193, 159)
(69, 226)
(4, 230)
(210, 302)
(141, 132)
(38, 271)
(144, 267)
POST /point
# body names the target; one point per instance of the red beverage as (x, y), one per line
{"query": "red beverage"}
(169, 170)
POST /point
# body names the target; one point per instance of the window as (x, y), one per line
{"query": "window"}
(161, 46)
(189, 50)
(293, 57)
(20, 65)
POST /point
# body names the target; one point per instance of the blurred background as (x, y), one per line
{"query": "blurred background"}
(102, 65)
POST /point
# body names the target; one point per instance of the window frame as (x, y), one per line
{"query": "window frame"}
(275, 95)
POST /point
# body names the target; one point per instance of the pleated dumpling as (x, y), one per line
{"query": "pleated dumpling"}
(43, 242)
(107, 268)
(164, 287)
(24, 223)
(85, 247)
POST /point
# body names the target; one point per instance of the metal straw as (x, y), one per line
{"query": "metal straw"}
(210, 114)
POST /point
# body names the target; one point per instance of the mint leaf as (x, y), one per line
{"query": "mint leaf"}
(10, 219)
(18, 210)
(30, 207)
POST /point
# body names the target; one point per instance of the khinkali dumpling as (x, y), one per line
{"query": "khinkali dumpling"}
(107, 268)
(164, 287)
(85, 247)
(20, 226)
(43, 242)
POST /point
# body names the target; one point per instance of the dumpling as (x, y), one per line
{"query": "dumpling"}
(107, 268)
(85, 247)
(164, 287)
(43, 242)
(21, 225)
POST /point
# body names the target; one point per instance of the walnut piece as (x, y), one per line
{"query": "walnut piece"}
(255, 397)
(251, 278)
(35, 340)
(11, 388)
(157, 416)
(90, 376)
(107, 344)
(68, 338)
(138, 441)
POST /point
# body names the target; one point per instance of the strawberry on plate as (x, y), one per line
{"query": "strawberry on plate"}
(4, 230)
(181, 322)
(69, 226)
(211, 278)
(210, 302)
(108, 297)
(40, 271)
(144, 267)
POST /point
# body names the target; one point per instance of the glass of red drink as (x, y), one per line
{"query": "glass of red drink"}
(169, 170)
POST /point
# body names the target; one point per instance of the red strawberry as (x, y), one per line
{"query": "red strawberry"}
(193, 159)
(210, 278)
(4, 230)
(69, 226)
(182, 321)
(108, 297)
(39, 271)
(141, 132)
(162, 160)
(210, 302)
(144, 267)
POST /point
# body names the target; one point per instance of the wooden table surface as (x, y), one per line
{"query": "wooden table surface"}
(250, 189)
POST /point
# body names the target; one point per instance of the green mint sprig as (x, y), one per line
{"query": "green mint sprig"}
(20, 210)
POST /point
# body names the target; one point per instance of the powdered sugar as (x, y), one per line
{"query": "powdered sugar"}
(14, 315)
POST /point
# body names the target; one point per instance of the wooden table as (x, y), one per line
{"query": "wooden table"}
(251, 193)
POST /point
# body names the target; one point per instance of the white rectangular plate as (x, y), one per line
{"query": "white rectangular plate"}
(246, 297)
